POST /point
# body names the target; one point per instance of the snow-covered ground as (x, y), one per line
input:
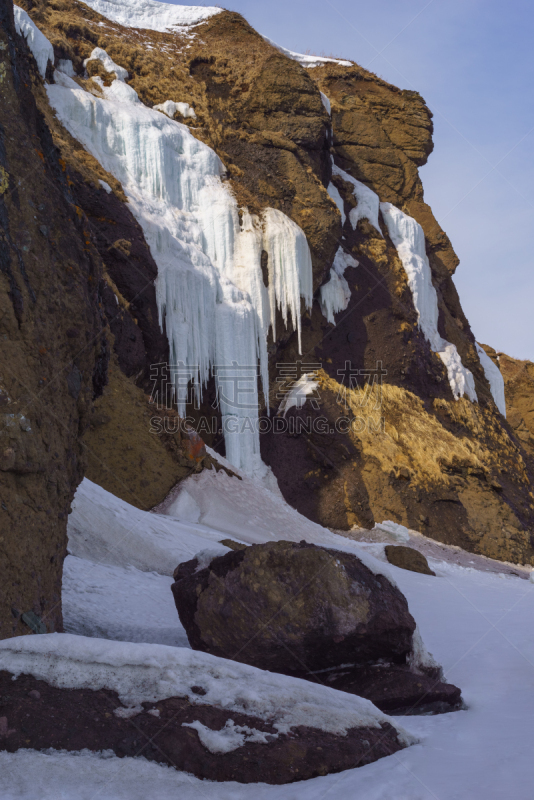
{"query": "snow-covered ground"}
(477, 624)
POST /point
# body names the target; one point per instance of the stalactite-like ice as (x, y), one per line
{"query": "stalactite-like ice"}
(41, 49)
(368, 202)
(210, 292)
(335, 294)
(494, 378)
(290, 268)
(409, 239)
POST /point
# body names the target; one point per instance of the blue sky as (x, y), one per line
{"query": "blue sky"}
(473, 62)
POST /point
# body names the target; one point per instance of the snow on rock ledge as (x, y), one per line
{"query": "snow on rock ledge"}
(409, 239)
(170, 108)
(307, 61)
(148, 673)
(41, 49)
(151, 15)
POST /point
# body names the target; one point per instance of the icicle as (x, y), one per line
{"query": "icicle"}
(409, 239)
(290, 268)
(209, 290)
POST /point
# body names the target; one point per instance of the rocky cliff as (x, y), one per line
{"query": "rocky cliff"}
(320, 152)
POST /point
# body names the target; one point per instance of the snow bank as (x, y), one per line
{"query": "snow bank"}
(41, 49)
(209, 289)
(409, 239)
(368, 202)
(494, 378)
(104, 529)
(151, 15)
(308, 61)
(335, 295)
(148, 673)
(121, 603)
(170, 108)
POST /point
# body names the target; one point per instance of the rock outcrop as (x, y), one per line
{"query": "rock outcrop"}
(53, 349)
(519, 390)
(407, 558)
(309, 611)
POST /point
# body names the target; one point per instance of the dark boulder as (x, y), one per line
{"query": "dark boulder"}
(38, 716)
(315, 613)
(293, 608)
(407, 558)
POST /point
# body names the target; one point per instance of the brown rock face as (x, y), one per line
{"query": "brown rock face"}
(455, 471)
(519, 391)
(53, 355)
(35, 715)
(407, 558)
(292, 608)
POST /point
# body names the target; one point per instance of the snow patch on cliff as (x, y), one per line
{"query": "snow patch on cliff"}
(170, 108)
(41, 49)
(308, 61)
(107, 62)
(409, 239)
(335, 295)
(151, 15)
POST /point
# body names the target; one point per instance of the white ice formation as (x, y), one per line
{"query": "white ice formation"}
(151, 15)
(368, 202)
(307, 61)
(409, 239)
(41, 49)
(170, 108)
(107, 62)
(65, 65)
(335, 295)
(333, 191)
(494, 378)
(210, 292)
(326, 103)
(296, 397)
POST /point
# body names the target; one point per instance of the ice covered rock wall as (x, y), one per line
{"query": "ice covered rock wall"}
(210, 290)
(41, 49)
(409, 239)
